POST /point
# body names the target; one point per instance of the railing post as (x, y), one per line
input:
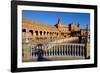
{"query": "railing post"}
(58, 51)
(55, 51)
(71, 50)
(83, 51)
(31, 52)
(78, 50)
(75, 50)
(66, 50)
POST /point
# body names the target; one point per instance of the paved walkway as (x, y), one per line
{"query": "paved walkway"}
(66, 40)
(56, 58)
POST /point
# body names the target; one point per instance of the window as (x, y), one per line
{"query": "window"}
(57, 33)
(23, 30)
(44, 32)
(31, 31)
(50, 33)
(36, 32)
(40, 32)
(47, 33)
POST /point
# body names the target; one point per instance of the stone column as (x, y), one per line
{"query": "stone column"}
(26, 51)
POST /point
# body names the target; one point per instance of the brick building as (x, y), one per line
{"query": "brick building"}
(37, 32)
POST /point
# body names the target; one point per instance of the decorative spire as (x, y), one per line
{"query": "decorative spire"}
(59, 21)
(59, 24)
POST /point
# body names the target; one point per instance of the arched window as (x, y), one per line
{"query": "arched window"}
(40, 32)
(57, 33)
(36, 32)
(50, 33)
(23, 30)
(47, 33)
(44, 32)
(31, 31)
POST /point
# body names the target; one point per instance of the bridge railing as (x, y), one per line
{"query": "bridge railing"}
(56, 49)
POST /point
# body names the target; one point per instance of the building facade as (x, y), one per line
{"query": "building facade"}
(37, 32)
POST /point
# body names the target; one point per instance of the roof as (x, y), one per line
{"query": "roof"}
(38, 23)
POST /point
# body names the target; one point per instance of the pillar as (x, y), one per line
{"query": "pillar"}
(26, 52)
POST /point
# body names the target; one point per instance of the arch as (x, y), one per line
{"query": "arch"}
(36, 32)
(50, 33)
(40, 32)
(23, 30)
(44, 32)
(57, 33)
(31, 31)
(47, 33)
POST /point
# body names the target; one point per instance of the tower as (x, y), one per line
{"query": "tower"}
(59, 24)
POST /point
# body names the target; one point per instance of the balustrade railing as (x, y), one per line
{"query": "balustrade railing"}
(55, 49)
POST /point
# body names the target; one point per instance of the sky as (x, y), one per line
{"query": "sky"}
(51, 18)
